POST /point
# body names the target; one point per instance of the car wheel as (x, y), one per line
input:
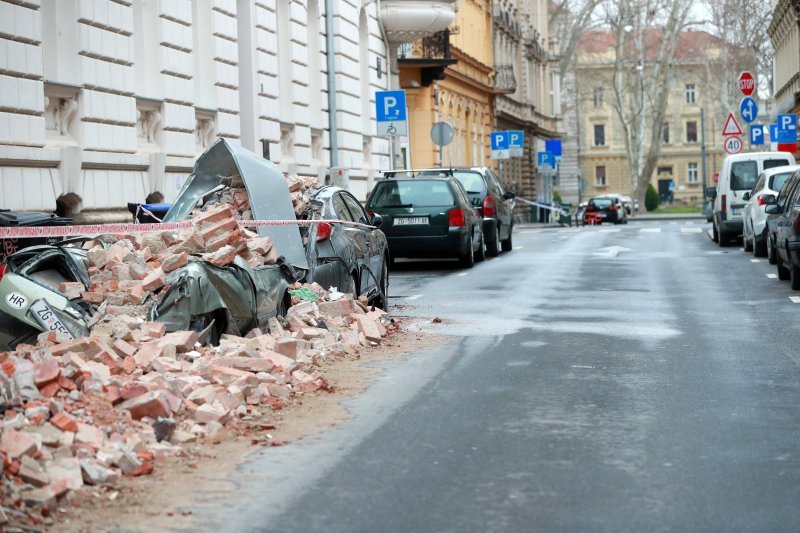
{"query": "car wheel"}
(480, 255)
(507, 245)
(467, 259)
(771, 256)
(493, 247)
(352, 286)
(760, 247)
(783, 272)
(383, 298)
(714, 233)
(794, 276)
(748, 244)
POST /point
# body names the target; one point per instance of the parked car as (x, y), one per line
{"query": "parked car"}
(428, 216)
(784, 212)
(605, 209)
(200, 296)
(754, 223)
(627, 202)
(738, 176)
(495, 205)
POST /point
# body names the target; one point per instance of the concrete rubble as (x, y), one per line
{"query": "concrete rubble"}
(84, 413)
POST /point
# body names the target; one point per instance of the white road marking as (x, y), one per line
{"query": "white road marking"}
(691, 230)
(772, 276)
(461, 274)
(610, 230)
(741, 249)
(795, 299)
(650, 230)
(519, 247)
(715, 253)
(413, 297)
(755, 260)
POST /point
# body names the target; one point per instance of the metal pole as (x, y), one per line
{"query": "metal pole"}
(703, 150)
(330, 52)
(391, 152)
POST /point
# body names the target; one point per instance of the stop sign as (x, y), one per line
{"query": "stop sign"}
(747, 84)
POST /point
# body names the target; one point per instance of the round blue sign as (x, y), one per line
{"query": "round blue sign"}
(748, 109)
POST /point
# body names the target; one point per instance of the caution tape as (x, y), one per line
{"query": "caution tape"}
(543, 206)
(131, 228)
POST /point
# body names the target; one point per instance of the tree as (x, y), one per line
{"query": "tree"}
(646, 34)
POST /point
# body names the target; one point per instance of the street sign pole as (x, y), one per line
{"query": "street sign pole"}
(703, 149)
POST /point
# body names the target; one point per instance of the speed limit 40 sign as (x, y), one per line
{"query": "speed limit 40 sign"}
(733, 145)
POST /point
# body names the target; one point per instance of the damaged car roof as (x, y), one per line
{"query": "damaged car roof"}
(266, 188)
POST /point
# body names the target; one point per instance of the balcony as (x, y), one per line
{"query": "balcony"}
(409, 20)
(430, 54)
(505, 82)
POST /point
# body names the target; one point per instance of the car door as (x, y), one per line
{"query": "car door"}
(785, 202)
(505, 206)
(752, 204)
(471, 215)
(361, 239)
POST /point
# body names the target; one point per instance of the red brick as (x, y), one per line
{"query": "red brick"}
(50, 390)
(128, 365)
(368, 327)
(65, 422)
(284, 364)
(150, 405)
(214, 215)
(287, 346)
(153, 329)
(123, 348)
(192, 244)
(89, 435)
(114, 394)
(174, 261)
(71, 290)
(138, 270)
(154, 280)
(46, 372)
(93, 297)
(133, 390)
(222, 257)
(183, 341)
(340, 307)
(18, 443)
(222, 227)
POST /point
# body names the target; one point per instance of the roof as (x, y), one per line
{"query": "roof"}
(690, 45)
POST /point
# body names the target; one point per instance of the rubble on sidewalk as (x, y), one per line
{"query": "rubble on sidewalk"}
(82, 413)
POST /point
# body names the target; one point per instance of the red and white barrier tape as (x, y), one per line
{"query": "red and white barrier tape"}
(543, 206)
(100, 229)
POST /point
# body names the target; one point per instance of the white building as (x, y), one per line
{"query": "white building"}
(114, 99)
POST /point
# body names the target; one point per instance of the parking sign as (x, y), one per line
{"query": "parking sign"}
(390, 113)
(516, 143)
(787, 129)
(500, 148)
(757, 134)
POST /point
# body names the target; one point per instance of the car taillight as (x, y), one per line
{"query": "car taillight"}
(612, 207)
(488, 206)
(370, 214)
(759, 200)
(3, 268)
(455, 218)
(590, 208)
(724, 203)
(324, 231)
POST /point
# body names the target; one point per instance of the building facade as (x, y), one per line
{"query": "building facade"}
(694, 115)
(527, 90)
(106, 101)
(784, 32)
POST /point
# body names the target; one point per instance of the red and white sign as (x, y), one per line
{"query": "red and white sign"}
(731, 126)
(733, 145)
(746, 82)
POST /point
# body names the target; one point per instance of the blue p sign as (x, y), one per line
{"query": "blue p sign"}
(757, 134)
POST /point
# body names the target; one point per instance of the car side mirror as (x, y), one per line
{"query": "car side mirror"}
(711, 192)
(772, 209)
(746, 196)
(508, 195)
(377, 220)
(769, 199)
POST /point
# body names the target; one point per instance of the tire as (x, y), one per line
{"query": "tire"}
(493, 247)
(383, 298)
(467, 259)
(783, 272)
(480, 255)
(748, 244)
(794, 276)
(760, 247)
(715, 233)
(772, 257)
(352, 286)
(507, 245)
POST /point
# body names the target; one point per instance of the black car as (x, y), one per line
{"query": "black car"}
(495, 205)
(428, 217)
(783, 227)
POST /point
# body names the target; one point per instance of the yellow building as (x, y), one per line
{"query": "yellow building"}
(784, 32)
(450, 77)
(603, 158)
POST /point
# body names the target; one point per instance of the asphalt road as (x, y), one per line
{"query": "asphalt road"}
(628, 378)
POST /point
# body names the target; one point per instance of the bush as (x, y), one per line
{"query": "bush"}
(556, 197)
(651, 198)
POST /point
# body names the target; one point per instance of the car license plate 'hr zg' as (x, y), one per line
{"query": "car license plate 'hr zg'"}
(47, 318)
(407, 221)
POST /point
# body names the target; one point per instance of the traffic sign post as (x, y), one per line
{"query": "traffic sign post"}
(545, 159)
(746, 83)
(748, 109)
(786, 129)
(516, 143)
(731, 126)
(442, 134)
(733, 145)
(500, 146)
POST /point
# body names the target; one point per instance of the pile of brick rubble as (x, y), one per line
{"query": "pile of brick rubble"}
(87, 411)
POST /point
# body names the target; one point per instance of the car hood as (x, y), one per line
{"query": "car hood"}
(267, 190)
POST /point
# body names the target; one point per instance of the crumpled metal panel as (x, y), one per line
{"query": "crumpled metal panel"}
(266, 188)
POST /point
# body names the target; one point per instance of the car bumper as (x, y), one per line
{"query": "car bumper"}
(451, 245)
(731, 226)
(489, 225)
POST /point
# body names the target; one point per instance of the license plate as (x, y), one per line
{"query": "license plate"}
(408, 221)
(734, 211)
(47, 318)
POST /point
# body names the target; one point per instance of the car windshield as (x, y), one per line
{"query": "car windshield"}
(407, 193)
(773, 163)
(777, 181)
(601, 202)
(472, 181)
(744, 175)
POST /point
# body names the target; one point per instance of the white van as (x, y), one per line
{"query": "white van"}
(738, 175)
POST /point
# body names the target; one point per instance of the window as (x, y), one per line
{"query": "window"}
(355, 209)
(692, 174)
(600, 176)
(690, 93)
(597, 96)
(691, 132)
(665, 133)
(599, 135)
(743, 175)
(772, 163)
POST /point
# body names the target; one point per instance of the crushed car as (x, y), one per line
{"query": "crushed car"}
(214, 278)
